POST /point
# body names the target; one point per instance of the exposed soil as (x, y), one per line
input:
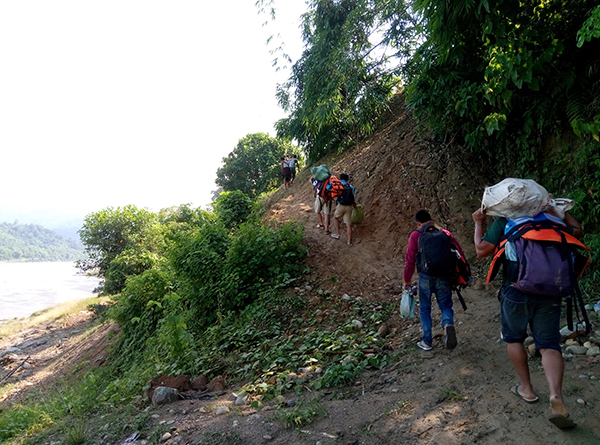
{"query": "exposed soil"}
(438, 397)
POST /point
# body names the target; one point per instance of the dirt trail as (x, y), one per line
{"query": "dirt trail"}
(438, 397)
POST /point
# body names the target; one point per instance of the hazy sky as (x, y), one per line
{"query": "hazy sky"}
(115, 102)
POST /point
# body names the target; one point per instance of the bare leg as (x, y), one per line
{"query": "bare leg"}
(327, 217)
(554, 368)
(336, 223)
(320, 218)
(349, 233)
(518, 358)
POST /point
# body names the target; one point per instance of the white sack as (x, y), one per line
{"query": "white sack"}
(516, 198)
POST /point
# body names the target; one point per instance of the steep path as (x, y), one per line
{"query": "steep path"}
(444, 397)
(439, 397)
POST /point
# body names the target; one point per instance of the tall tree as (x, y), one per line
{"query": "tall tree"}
(347, 73)
(253, 166)
(120, 243)
(509, 79)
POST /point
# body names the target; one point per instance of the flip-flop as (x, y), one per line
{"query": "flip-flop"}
(450, 337)
(320, 226)
(561, 421)
(515, 391)
(424, 347)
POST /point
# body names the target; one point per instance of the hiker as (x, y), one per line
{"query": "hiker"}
(345, 203)
(518, 310)
(293, 163)
(286, 171)
(429, 250)
(321, 207)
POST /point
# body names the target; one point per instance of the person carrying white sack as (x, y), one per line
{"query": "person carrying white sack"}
(515, 198)
(517, 201)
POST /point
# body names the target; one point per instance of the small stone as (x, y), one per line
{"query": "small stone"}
(577, 350)
(267, 437)
(346, 297)
(163, 395)
(395, 390)
(383, 330)
(165, 437)
(583, 376)
(588, 344)
(308, 287)
(593, 351)
(581, 401)
(593, 377)
(291, 377)
(241, 400)
(425, 379)
(357, 324)
(290, 403)
(221, 410)
(155, 416)
(572, 342)
(349, 359)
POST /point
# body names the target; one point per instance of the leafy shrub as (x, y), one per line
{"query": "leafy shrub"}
(232, 208)
(139, 307)
(127, 264)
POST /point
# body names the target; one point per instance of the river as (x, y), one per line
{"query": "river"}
(29, 287)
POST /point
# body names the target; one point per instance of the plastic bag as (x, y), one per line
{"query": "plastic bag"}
(516, 198)
(407, 304)
(320, 173)
(357, 214)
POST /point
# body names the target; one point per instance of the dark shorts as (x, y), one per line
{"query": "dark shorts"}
(542, 314)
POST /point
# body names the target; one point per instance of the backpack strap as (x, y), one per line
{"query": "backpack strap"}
(460, 297)
(550, 231)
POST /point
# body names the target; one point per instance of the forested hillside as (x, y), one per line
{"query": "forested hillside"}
(423, 103)
(32, 242)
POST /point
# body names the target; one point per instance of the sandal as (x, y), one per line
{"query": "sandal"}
(328, 233)
(424, 347)
(335, 235)
(320, 226)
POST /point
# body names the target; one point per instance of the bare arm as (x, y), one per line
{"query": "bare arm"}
(483, 248)
(577, 230)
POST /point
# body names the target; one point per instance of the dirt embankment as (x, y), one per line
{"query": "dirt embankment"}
(439, 397)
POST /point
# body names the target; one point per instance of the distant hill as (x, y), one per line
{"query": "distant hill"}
(63, 223)
(32, 242)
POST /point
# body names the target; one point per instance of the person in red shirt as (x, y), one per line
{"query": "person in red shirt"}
(429, 285)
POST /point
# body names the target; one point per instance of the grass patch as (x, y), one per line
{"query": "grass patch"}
(11, 327)
(303, 413)
(402, 407)
(450, 395)
(221, 438)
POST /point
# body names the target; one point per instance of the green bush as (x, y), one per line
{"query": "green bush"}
(127, 264)
(139, 307)
(232, 208)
